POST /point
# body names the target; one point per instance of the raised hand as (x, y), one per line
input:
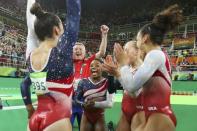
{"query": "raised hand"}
(104, 29)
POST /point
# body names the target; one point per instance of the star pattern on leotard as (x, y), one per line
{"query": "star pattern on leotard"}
(60, 64)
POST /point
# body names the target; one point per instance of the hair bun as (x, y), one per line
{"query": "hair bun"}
(168, 19)
(37, 10)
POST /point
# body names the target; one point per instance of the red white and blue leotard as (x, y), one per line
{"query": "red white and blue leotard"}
(88, 90)
(56, 104)
(154, 75)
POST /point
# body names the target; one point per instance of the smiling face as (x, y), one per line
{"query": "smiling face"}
(79, 51)
(96, 69)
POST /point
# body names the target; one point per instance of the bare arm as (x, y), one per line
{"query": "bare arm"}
(103, 46)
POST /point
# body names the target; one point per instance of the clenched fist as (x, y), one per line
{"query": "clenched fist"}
(104, 29)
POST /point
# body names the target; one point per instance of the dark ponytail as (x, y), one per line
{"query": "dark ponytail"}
(44, 23)
(37, 10)
(162, 23)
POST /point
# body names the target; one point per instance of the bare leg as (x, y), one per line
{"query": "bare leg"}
(85, 124)
(28, 128)
(100, 125)
(159, 122)
(123, 124)
(138, 121)
(61, 125)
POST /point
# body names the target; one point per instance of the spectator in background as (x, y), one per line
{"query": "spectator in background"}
(14, 58)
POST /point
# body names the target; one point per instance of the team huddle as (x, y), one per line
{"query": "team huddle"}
(68, 85)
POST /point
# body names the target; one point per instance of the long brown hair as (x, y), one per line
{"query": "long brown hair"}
(163, 22)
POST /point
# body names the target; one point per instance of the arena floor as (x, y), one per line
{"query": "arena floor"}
(14, 117)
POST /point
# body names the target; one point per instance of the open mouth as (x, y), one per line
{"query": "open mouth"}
(94, 72)
(78, 54)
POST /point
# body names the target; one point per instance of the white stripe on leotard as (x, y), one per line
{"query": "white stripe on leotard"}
(154, 60)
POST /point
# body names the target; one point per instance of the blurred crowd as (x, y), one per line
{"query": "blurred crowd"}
(16, 7)
(12, 48)
(12, 45)
(96, 16)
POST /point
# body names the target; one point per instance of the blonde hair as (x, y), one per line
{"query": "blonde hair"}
(133, 43)
(80, 44)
